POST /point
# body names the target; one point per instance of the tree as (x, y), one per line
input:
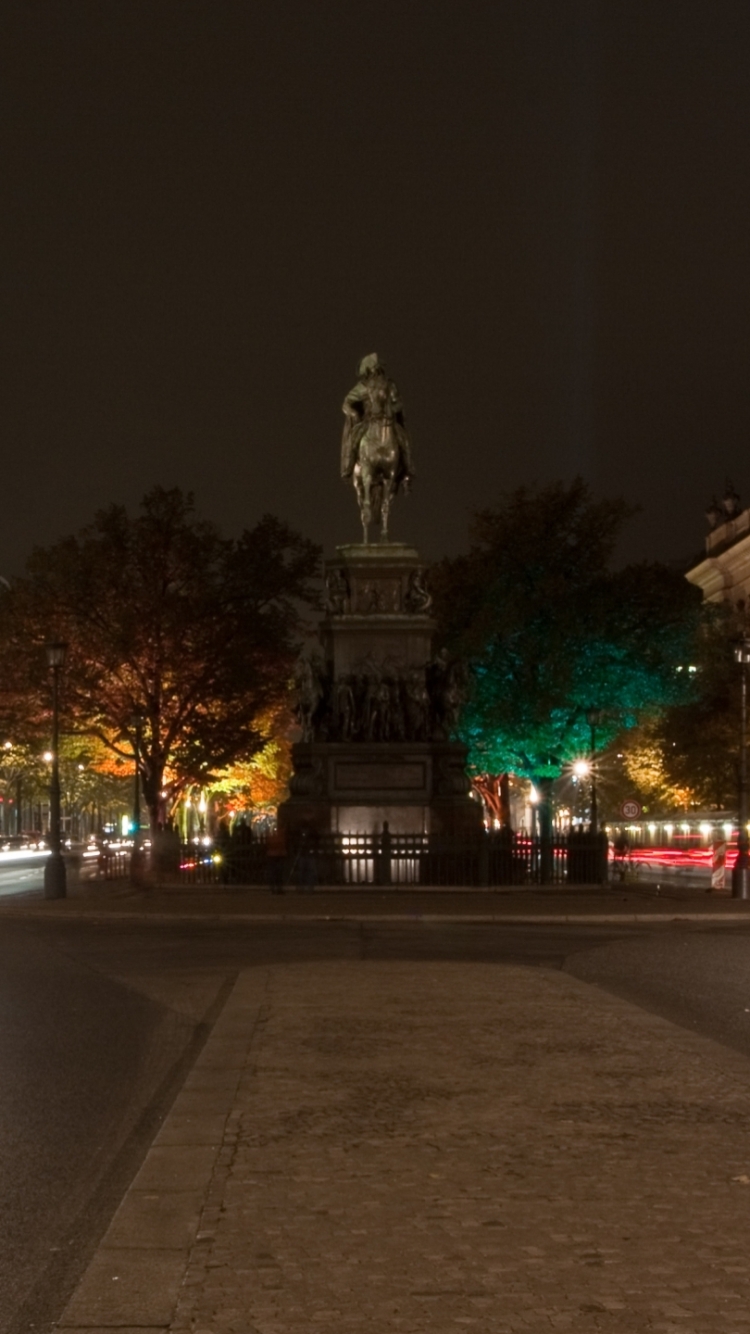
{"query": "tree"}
(24, 777)
(174, 632)
(258, 783)
(698, 738)
(552, 631)
(634, 766)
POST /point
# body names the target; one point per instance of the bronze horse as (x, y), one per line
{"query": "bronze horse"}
(375, 449)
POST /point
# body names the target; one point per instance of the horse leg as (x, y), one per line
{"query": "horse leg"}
(365, 504)
(385, 506)
(376, 505)
(362, 488)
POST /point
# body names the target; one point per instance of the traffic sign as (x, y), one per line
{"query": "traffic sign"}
(631, 810)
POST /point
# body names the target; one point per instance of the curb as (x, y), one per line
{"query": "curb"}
(512, 919)
(135, 1276)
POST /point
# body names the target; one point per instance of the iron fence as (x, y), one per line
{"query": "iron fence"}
(114, 865)
(390, 860)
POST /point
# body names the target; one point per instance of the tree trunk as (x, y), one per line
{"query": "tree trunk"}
(152, 778)
(544, 788)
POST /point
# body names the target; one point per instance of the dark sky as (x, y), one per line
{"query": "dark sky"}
(536, 211)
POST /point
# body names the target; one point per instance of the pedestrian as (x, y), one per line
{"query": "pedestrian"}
(384, 856)
(276, 857)
(307, 872)
(621, 853)
(222, 844)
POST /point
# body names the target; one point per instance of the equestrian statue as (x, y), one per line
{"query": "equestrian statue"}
(375, 448)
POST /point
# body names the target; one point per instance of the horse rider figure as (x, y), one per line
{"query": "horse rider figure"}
(375, 447)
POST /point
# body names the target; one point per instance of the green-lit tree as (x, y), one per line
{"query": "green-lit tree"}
(175, 633)
(551, 631)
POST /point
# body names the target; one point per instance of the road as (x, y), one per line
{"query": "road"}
(21, 872)
(101, 1021)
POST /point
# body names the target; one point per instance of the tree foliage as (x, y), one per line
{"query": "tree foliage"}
(698, 738)
(634, 767)
(552, 630)
(257, 783)
(168, 621)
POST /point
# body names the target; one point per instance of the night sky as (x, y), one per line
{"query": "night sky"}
(536, 211)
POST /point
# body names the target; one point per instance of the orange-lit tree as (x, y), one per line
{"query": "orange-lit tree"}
(255, 786)
(175, 635)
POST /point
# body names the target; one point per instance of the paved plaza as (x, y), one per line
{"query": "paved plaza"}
(390, 1146)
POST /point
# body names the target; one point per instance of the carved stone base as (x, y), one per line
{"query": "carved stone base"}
(377, 712)
(377, 609)
(418, 787)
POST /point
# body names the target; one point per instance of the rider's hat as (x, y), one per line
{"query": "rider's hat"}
(369, 363)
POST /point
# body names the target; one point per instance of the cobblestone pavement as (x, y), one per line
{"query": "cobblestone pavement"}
(432, 1147)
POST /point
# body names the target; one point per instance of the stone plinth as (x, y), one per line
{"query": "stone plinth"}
(419, 788)
(373, 609)
(379, 709)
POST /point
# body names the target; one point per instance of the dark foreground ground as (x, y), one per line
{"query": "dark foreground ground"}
(105, 1008)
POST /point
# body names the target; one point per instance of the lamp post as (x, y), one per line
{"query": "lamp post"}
(137, 722)
(54, 870)
(592, 717)
(136, 860)
(581, 771)
(741, 869)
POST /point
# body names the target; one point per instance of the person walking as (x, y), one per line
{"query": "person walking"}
(307, 871)
(276, 856)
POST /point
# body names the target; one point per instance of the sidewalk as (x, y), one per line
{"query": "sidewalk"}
(384, 1146)
(540, 904)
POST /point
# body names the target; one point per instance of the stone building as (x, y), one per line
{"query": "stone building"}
(723, 575)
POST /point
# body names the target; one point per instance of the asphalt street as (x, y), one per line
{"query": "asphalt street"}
(102, 1020)
(21, 873)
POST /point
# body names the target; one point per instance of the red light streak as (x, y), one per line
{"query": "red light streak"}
(678, 856)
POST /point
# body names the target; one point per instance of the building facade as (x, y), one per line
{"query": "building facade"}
(724, 573)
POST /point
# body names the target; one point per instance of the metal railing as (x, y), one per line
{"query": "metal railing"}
(390, 860)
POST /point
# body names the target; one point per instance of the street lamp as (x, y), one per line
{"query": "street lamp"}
(136, 861)
(581, 770)
(593, 716)
(54, 871)
(137, 725)
(741, 869)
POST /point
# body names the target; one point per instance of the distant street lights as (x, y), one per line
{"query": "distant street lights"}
(54, 870)
(741, 869)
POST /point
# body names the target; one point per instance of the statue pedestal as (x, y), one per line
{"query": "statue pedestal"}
(352, 788)
(374, 617)
(378, 747)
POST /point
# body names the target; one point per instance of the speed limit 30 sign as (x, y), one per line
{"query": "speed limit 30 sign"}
(631, 810)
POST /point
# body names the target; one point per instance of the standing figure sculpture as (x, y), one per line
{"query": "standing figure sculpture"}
(309, 692)
(375, 449)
